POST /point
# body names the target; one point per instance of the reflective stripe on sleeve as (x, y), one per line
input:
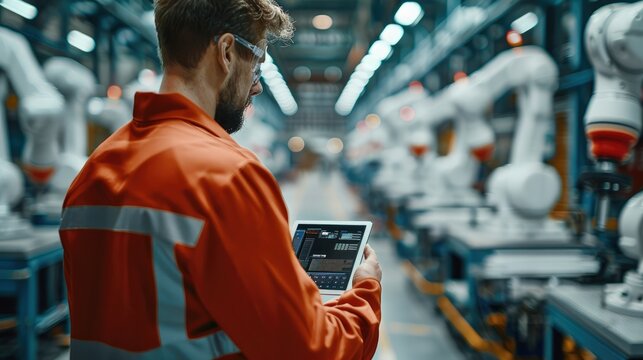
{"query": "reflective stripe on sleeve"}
(166, 230)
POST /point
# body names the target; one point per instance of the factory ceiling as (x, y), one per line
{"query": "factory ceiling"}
(322, 57)
(331, 38)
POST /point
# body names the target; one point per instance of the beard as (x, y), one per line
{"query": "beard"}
(229, 113)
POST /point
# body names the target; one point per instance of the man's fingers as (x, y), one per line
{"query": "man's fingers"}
(370, 254)
(368, 250)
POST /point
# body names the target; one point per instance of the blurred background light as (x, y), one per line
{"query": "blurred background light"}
(302, 73)
(459, 75)
(333, 73)
(296, 144)
(322, 22)
(335, 145)
(114, 92)
(407, 113)
(514, 38)
(373, 121)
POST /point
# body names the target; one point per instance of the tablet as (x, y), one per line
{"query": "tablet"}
(331, 251)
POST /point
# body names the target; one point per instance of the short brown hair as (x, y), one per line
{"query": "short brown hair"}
(186, 27)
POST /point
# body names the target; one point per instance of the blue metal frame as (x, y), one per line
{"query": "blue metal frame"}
(19, 278)
(558, 324)
(472, 258)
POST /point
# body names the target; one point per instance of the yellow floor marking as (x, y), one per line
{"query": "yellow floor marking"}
(386, 350)
(303, 180)
(409, 329)
(337, 208)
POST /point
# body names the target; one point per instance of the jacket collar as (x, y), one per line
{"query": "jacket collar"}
(153, 107)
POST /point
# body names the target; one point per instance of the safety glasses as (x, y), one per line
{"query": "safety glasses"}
(257, 50)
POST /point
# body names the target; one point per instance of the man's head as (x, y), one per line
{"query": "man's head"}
(220, 44)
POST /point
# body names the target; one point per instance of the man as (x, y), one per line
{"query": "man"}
(176, 239)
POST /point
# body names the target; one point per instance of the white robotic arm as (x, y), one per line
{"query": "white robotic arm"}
(77, 84)
(11, 188)
(389, 110)
(146, 81)
(631, 229)
(526, 189)
(41, 105)
(534, 74)
(109, 113)
(627, 298)
(435, 110)
(397, 161)
(614, 41)
(4, 140)
(450, 177)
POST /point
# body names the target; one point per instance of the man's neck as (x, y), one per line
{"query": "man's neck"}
(195, 89)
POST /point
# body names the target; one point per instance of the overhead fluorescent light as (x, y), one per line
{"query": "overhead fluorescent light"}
(290, 111)
(360, 78)
(369, 65)
(370, 60)
(81, 41)
(409, 14)
(21, 8)
(268, 67)
(343, 110)
(281, 92)
(270, 75)
(278, 87)
(525, 22)
(353, 96)
(356, 83)
(381, 50)
(276, 81)
(392, 34)
(363, 74)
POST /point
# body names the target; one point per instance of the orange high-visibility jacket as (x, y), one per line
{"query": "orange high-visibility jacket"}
(177, 246)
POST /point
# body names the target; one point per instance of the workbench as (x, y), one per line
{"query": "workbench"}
(578, 312)
(466, 248)
(21, 262)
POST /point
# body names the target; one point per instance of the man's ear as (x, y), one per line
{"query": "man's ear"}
(224, 47)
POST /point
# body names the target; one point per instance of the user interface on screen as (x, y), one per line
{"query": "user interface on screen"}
(328, 252)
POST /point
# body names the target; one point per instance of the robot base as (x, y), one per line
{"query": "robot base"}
(460, 198)
(439, 220)
(47, 209)
(527, 230)
(400, 193)
(627, 298)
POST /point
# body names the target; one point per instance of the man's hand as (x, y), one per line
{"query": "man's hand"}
(370, 268)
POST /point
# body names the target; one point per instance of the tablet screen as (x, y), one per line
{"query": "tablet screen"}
(328, 252)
